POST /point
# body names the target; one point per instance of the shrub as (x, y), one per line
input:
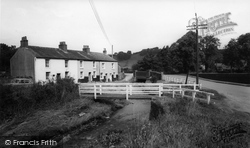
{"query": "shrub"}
(153, 79)
(19, 100)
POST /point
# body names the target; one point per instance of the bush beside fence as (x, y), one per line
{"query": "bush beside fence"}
(18, 100)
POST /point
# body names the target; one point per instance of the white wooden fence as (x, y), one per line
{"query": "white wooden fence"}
(139, 89)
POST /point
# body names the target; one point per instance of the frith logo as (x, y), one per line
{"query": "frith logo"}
(227, 134)
(217, 25)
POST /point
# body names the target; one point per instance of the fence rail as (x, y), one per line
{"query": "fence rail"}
(129, 89)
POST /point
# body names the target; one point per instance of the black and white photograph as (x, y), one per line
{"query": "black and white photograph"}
(125, 73)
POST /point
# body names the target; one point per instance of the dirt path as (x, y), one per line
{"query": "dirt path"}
(137, 111)
(128, 77)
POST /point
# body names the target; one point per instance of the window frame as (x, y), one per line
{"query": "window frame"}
(47, 76)
(94, 64)
(101, 75)
(81, 64)
(47, 62)
(81, 74)
(66, 63)
(103, 65)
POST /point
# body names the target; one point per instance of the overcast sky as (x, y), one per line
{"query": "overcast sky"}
(129, 24)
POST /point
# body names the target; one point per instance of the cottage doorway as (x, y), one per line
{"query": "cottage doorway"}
(110, 77)
(90, 77)
(58, 76)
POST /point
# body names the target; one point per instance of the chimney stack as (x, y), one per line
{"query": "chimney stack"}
(63, 46)
(104, 51)
(86, 48)
(24, 42)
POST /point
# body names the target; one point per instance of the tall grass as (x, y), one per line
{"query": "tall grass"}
(19, 101)
(189, 124)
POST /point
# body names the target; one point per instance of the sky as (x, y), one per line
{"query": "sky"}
(129, 24)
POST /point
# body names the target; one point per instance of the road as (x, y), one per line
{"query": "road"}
(238, 96)
(128, 77)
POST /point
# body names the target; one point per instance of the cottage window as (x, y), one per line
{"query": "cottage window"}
(81, 64)
(103, 65)
(113, 65)
(47, 62)
(47, 75)
(66, 63)
(94, 64)
(81, 74)
(66, 74)
(101, 76)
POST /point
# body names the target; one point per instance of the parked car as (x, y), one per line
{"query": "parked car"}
(21, 81)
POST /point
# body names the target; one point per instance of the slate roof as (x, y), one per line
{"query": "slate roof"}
(57, 53)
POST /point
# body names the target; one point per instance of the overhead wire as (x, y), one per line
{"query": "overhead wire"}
(99, 20)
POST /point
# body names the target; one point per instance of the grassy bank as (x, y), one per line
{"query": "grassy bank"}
(184, 124)
(52, 111)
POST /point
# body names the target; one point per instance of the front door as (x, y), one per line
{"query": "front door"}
(58, 76)
(90, 77)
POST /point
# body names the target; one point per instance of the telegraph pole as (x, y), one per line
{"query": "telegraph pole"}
(196, 28)
(112, 51)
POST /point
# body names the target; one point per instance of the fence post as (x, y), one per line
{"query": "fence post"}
(208, 98)
(126, 91)
(130, 89)
(159, 90)
(193, 95)
(173, 92)
(182, 93)
(95, 91)
(194, 86)
(200, 85)
(100, 89)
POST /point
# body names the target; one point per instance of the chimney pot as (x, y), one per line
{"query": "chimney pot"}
(63, 45)
(24, 42)
(86, 48)
(104, 51)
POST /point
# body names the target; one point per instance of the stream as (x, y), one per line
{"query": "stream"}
(136, 111)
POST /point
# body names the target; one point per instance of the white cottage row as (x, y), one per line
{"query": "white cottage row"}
(44, 63)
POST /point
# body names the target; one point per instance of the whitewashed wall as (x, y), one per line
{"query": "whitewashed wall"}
(55, 66)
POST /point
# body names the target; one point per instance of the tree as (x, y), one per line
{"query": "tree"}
(184, 53)
(6, 52)
(209, 46)
(149, 62)
(231, 55)
(244, 49)
(121, 56)
(164, 62)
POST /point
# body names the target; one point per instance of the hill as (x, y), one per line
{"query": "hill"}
(130, 62)
(135, 57)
